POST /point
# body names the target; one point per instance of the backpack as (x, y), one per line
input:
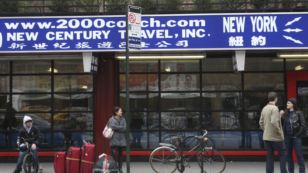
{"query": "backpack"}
(105, 164)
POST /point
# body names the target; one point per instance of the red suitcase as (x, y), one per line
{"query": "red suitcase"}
(87, 158)
(59, 162)
(72, 160)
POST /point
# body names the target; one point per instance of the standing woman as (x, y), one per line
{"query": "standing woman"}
(118, 141)
(294, 128)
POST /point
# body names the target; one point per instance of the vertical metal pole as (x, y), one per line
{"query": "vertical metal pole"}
(127, 115)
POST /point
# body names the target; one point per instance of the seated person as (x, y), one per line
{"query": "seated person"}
(28, 134)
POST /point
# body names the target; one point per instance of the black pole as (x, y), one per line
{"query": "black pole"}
(127, 115)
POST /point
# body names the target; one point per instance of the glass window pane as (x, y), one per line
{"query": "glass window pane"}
(264, 81)
(73, 138)
(3, 101)
(139, 140)
(138, 121)
(140, 66)
(73, 83)
(42, 121)
(31, 83)
(73, 102)
(153, 140)
(180, 101)
(297, 64)
(224, 140)
(140, 82)
(32, 66)
(220, 120)
(4, 67)
(69, 66)
(32, 102)
(180, 66)
(140, 101)
(252, 140)
(250, 120)
(257, 100)
(153, 121)
(4, 84)
(45, 139)
(73, 121)
(222, 81)
(180, 120)
(217, 64)
(180, 82)
(221, 101)
(263, 64)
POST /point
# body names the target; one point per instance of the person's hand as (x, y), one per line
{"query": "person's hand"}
(281, 113)
(33, 147)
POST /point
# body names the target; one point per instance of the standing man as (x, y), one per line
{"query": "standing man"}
(270, 123)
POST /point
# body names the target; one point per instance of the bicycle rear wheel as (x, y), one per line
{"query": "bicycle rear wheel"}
(212, 161)
(29, 164)
(163, 160)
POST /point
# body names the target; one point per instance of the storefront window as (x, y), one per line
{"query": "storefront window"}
(140, 82)
(217, 64)
(141, 101)
(264, 81)
(4, 84)
(73, 83)
(221, 81)
(4, 67)
(140, 66)
(73, 102)
(31, 66)
(221, 101)
(68, 66)
(31, 84)
(180, 101)
(73, 121)
(257, 100)
(180, 82)
(180, 66)
(263, 64)
(32, 102)
(180, 120)
(296, 64)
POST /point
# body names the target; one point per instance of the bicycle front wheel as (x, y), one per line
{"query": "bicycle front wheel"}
(29, 164)
(212, 161)
(163, 160)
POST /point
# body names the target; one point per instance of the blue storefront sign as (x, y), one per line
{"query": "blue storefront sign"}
(159, 32)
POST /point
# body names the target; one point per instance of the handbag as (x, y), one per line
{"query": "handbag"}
(107, 132)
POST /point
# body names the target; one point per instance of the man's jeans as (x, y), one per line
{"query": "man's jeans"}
(22, 156)
(296, 143)
(271, 146)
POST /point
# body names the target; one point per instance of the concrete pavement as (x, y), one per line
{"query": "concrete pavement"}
(144, 167)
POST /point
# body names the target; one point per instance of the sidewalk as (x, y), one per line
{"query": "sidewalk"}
(144, 167)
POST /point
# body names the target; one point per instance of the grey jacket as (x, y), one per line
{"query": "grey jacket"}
(119, 128)
(270, 123)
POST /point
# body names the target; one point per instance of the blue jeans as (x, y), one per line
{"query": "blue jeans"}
(295, 143)
(22, 156)
(271, 146)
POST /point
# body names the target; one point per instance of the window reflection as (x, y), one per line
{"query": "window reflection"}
(140, 82)
(4, 84)
(73, 102)
(180, 82)
(222, 81)
(257, 100)
(31, 83)
(4, 67)
(180, 101)
(180, 66)
(263, 64)
(73, 121)
(215, 64)
(42, 121)
(264, 81)
(140, 101)
(220, 120)
(32, 102)
(180, 120)
(221, 101)
(140, 66)
(73, 83)
(31, 66)
(69, 66)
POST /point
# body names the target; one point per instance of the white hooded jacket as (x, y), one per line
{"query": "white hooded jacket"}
(27, 118)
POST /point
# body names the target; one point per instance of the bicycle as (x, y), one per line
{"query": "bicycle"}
(29, 164)
(167, 158)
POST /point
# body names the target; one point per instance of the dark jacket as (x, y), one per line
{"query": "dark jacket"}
(32, 137)
(298, 123)
(119, 127)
